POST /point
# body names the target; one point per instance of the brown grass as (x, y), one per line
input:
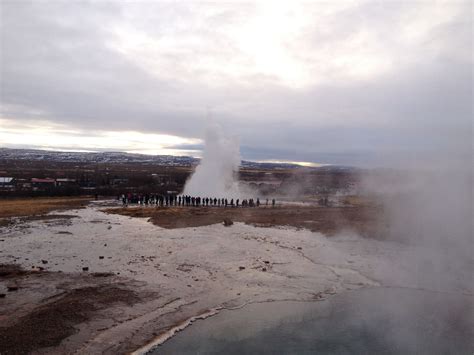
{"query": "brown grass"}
(41, 205)
(355, 200)
(328, 220)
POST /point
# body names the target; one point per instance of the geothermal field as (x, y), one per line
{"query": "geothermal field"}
(236, 177)
(107, 279)
(92, 275)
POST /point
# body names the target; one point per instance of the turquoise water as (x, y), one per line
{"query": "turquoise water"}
(369, 321)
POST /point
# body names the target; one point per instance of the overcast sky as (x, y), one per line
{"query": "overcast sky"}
(337, 82)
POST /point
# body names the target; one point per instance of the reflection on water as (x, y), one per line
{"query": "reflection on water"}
(374, 321)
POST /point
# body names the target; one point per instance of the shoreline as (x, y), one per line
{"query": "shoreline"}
(168, 335)
(162, 338)
(355, 312)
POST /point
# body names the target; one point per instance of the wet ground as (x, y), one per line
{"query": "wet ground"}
(171, 276)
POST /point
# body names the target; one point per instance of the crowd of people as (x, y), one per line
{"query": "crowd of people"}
(188, 201)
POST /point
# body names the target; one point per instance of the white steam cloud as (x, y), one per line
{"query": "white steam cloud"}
(430, 208)
(215, 176)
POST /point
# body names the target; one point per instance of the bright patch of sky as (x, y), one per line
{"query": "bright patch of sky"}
(48, 136)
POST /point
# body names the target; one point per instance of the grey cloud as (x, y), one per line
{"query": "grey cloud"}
(57, 60)
(188, 147)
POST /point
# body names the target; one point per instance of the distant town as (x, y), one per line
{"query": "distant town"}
(38, 172)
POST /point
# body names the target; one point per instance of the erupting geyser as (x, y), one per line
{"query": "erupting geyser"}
(215, 174)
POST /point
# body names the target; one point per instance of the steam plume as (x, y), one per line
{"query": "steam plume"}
(215, 175)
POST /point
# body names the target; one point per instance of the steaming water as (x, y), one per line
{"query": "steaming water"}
(375, 321)
(215, 175)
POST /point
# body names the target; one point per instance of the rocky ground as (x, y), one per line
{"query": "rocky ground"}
(96, 282)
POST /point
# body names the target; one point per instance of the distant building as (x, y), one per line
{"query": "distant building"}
(7, 183)
(66, 182)
(269, 182)
(42, 184)
(23, 184)
(119, 181)
(6, 180)
(163, 179)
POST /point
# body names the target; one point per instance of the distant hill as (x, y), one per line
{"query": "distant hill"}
(120, 157)
(92, 157)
